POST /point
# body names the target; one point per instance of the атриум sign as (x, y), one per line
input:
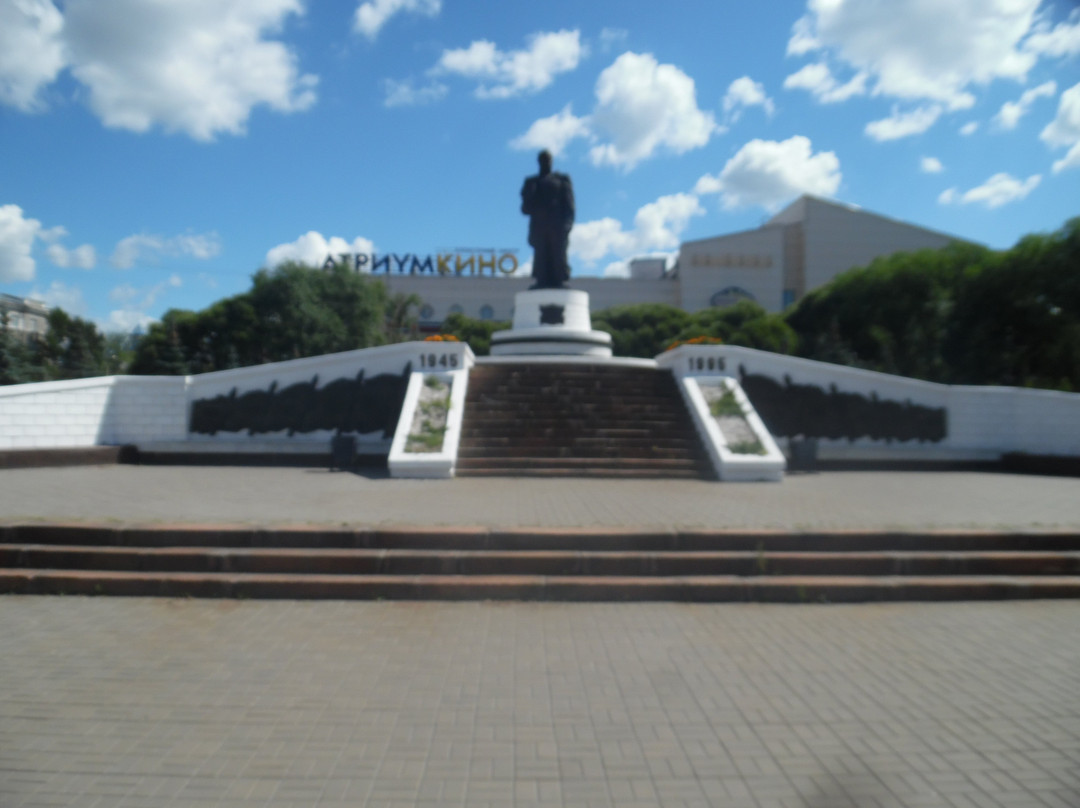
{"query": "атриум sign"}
(461, 262)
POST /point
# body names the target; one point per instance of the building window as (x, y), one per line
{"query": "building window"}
(729, 296)
(486, 312)
(456, 309)
(789, 297)
(427, 312)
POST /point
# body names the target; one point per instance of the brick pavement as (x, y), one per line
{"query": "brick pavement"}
(860, 500)
(155, 703)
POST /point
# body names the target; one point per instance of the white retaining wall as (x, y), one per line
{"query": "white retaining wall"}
(982, 422)
(149, 410)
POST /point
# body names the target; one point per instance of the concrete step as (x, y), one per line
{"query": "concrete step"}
(368, 561)
(575, 539)
(702, 588)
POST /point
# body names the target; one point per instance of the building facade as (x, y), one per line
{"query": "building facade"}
(26, 319)
(802, 247)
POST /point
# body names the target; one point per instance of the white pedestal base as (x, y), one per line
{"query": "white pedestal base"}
(551, 322)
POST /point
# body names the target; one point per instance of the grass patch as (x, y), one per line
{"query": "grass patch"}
(725, 405)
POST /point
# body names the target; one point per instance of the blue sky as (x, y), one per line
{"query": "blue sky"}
(157, 153)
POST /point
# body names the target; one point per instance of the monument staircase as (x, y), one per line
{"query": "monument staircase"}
(537, 564)
(577, 419)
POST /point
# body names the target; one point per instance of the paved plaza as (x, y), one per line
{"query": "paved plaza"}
(131, 702)
(855, 500)
(167, 703)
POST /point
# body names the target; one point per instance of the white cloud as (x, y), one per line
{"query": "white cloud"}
(404, 94)
(969, 128)
(617, 269)
(611, 38)
(818, 80)
(17, 235)
(509, 74)
(1064, 130)
(903, 124)
(657, 226)
(930, 165)
(643, 106)
(1012, 111)
(192, 66)
(769, 173)
(135, 302)
(31, 51)
(145, 247)
(313, 247)
(920, 50)
(372, 16)
(60, 295)
(125, 321)
(84, 257)
(999, 190)
(553, 133)
(1061, 40)
(744, 92)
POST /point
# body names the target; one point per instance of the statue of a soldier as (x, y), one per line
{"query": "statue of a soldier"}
(548, 200)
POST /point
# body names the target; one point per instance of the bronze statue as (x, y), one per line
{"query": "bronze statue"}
(548, 200)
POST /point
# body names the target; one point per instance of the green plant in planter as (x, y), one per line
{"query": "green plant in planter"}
(747, 447)
(726, 405)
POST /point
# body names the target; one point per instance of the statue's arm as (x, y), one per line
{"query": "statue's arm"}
(528, 196)
(569, 204)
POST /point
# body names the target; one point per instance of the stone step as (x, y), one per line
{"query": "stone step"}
(577, 539)
(363, 561)
(485, 450)
(699, 588)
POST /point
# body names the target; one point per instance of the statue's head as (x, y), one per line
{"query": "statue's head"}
(544, 158)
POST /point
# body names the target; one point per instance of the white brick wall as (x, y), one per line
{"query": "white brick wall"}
(981, 420)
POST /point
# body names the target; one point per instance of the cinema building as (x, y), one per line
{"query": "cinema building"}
(799, 249)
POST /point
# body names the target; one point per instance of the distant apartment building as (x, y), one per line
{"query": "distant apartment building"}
(26, 319)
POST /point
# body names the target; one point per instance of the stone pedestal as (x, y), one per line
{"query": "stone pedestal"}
(551, 322)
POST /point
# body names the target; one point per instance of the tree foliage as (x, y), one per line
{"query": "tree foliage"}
(960, 315)
(290, 312)
(475, 332)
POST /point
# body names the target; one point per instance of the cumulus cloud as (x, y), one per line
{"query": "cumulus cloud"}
(1061, 40)
(17, 235)
(818, 80)
(192, 66)
(930, 165)
(149, 248)
(125, 321)
(313, 247)
(769, 173)
(553, 133)
(60, 295)
(1064, 130)
(903, 124)
(1012, 111)
(657, 226)
(31, 51)
(611, 38)
(514, 73)
(370, 17)
(84, 257)
(917, 50)
(406, 94)
(742, 93)
(969, 128)
(643, 106)
(999, 190)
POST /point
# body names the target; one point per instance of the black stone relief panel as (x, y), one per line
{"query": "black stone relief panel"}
(793, 410)
(346, 405)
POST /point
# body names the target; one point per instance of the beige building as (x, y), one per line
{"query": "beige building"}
(26, 319)
(799, 249)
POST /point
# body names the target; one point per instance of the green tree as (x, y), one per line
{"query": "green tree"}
(290, 312)
(641, 329)
(73, 348)
(745, 323)
(475, 332)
